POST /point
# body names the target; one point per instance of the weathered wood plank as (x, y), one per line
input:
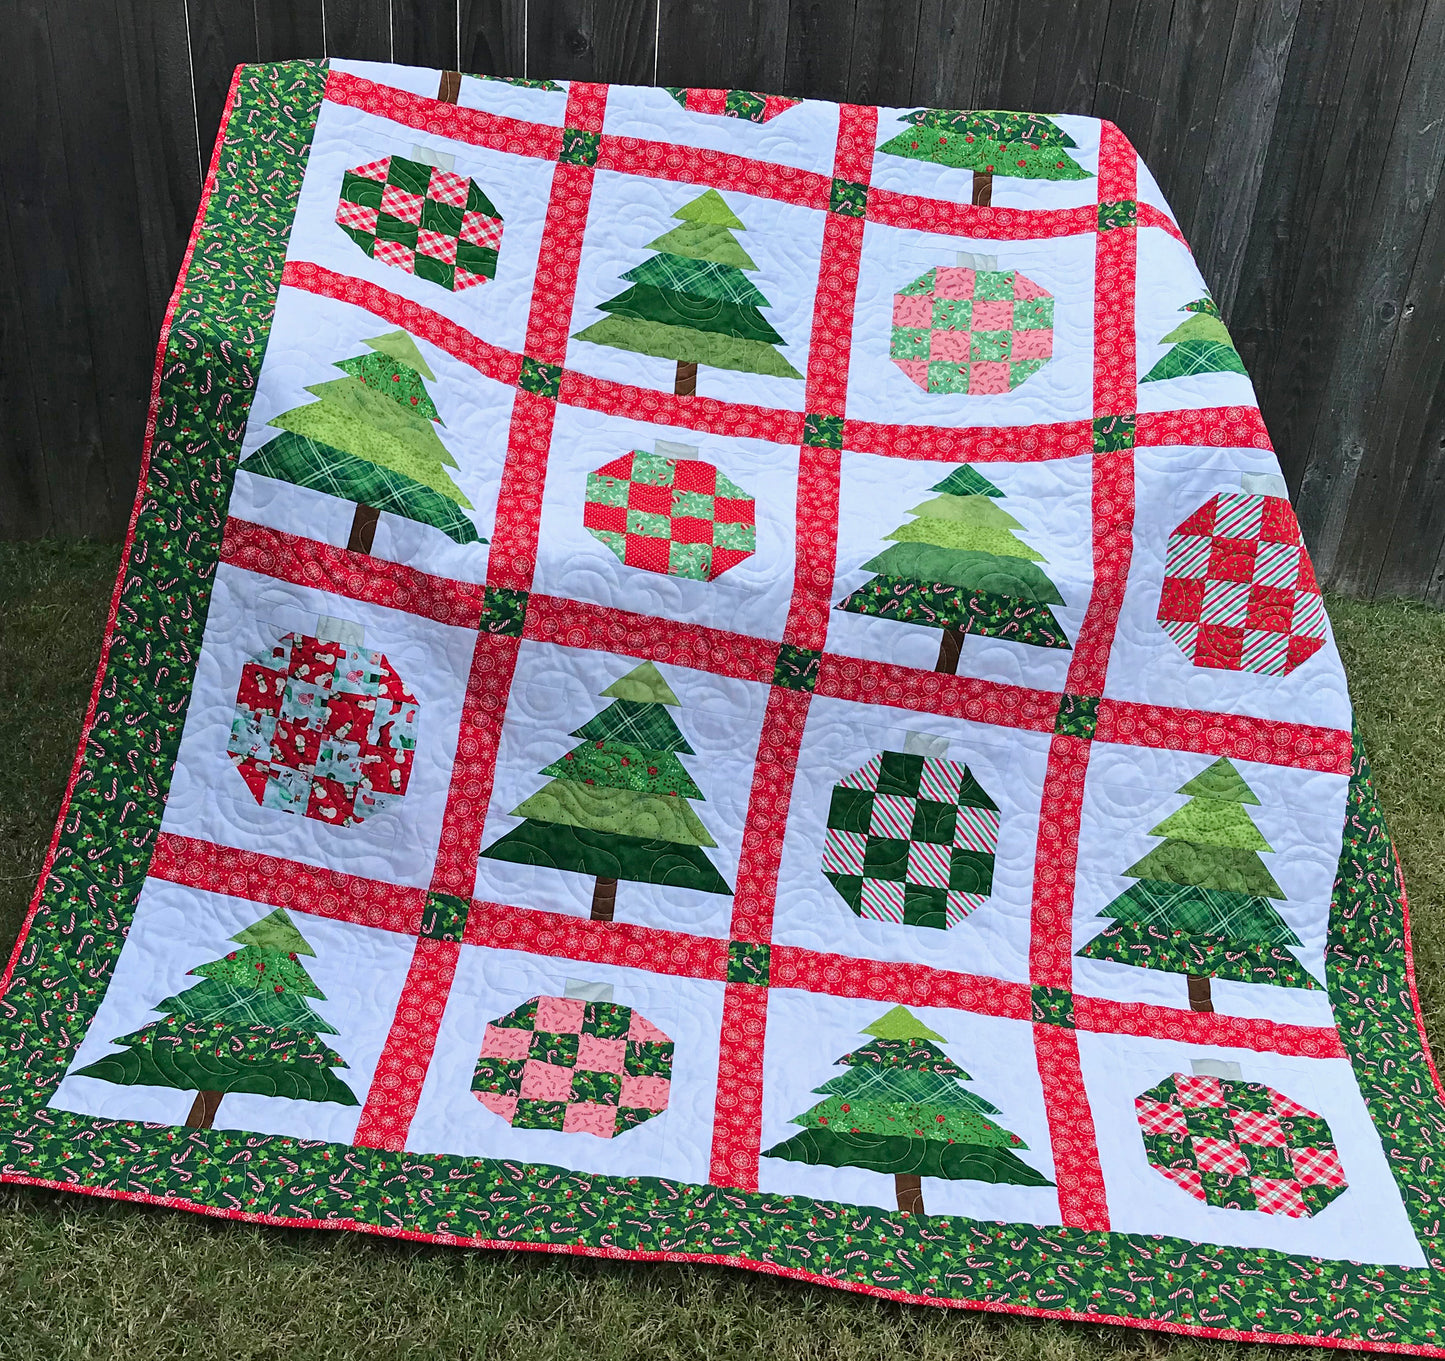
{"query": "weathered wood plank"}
(156, 61)
(945, 65)
(820, 48)
(223, 35)
(424, 33)
(610, 40)
(739, 46)
(286, 29)
(53, 333)
(493, 37)
(884, 51)
(359, 29)
(25, 508)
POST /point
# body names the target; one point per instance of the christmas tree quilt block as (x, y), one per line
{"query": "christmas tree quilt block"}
(932, 732)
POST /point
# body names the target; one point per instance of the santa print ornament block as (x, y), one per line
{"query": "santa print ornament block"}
(860, 797)
(680, 517)
(423, 219)
(1240, 1146)
(562, 1063)
(323, 729)
(1239, 591)
(963, 330)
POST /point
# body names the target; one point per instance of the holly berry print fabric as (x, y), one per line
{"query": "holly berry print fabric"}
(809, 679)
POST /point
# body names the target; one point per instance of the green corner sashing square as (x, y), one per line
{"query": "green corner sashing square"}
(1118, 213)
(504, 611)
(1077, 717)
(848, 198)
(749, 963)
(1113, 433)
(444, 917)
(542, 379)
(1053, 1006)
(823, 432)
(797, 667)
(579, 147)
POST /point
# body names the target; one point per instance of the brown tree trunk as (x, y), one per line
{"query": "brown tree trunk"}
(604, 899)
(910, 1192)
(203, 1110)
(363, 529)
(1199, 998)
(948, 651)
(686, 385)
(451, 87)
(982, 188)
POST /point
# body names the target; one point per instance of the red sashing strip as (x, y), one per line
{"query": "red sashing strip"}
(489, 360)
(777, 762)
(395, 1089)
(501, 927)
(286, 883)
(1115, 261)
(1052, 916)
(513, 553)
(1150, 216)
(445, 120)
(715, 169)
(575, 623)
(1113, 535)
(358, 576)
(738, 1114)
(494, 662)
(1194, 1027)
(707, 414)
(815, 548)
(892, 209)
(1234, 735)
(974, 444)
(1082, 1200)
(885, 980)
(1218, 427)
(907, 687)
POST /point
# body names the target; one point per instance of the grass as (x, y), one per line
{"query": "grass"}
(83, 1279)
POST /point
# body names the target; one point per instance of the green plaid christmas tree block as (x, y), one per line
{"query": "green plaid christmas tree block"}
(679, 517)
(430, 222)
(911, 840)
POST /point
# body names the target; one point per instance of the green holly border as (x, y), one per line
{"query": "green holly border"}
(216, 338)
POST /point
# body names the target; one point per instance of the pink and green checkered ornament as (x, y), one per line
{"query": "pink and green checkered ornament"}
(1239, 591)
(1240, 1145)
(679, 517)
(911, 840)
(975, 331)
(430, 222)
(323, 729)
(578, 1066)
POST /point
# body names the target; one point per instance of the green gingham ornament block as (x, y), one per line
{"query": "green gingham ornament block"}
(911, 840)
(423, 219)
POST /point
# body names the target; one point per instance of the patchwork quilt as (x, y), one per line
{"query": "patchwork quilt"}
(709, 677)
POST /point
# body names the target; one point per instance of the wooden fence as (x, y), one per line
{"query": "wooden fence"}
(1300, 142)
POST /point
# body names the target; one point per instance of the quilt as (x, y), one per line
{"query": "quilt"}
(708, 677)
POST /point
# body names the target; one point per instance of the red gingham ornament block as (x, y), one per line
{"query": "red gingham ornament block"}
(1239, 591)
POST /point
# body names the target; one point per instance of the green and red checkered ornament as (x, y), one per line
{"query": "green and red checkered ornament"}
(746, 104)
(1239, 591)
(911, 840)
(574, 1065)
(962, 329)
(422, 218)
(1240, 1145)
(681, 517)
(324, 728)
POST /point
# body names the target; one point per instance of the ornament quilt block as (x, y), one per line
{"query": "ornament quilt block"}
(811, 680)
